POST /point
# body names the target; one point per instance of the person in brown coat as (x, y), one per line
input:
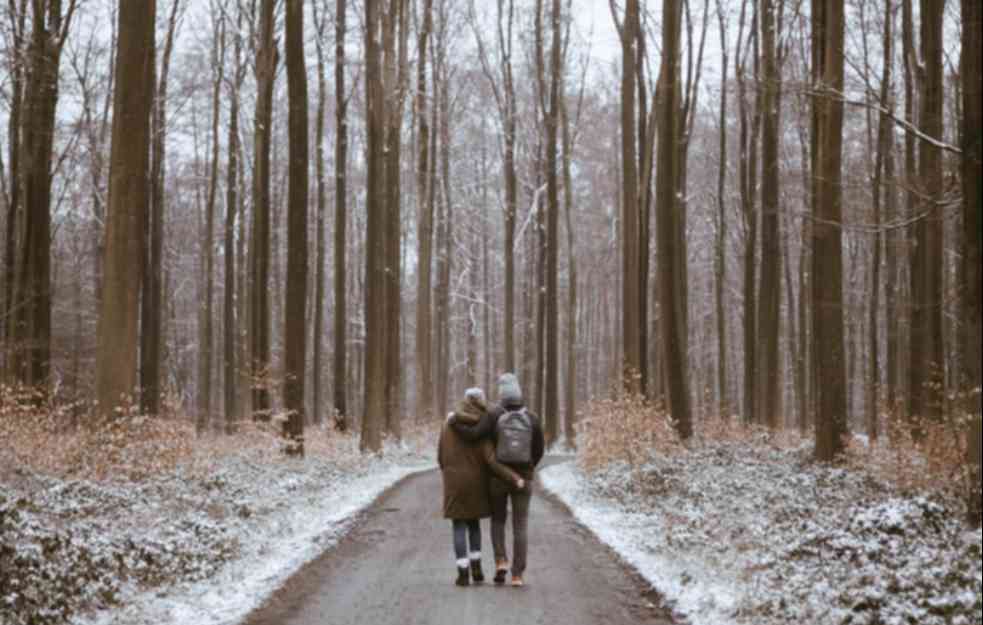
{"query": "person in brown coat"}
(466, 469)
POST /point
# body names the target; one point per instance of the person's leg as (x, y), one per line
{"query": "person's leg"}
(499, 503)
(461, 552)
(520, 531)
(474, 540)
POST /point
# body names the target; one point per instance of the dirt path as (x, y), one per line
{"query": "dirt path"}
(397, 568)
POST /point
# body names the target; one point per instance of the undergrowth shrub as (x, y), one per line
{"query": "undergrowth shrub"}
(626, 429)
(913, 457)
(920, 455)
(71, 441)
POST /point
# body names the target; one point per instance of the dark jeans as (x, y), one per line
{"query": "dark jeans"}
(465, 532)
(500, 496)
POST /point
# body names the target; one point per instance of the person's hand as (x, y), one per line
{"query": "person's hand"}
(520, 484)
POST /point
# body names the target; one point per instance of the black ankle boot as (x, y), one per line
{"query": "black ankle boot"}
(463, 577)
(476, 573)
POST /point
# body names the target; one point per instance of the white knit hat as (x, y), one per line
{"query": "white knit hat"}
(475, 393)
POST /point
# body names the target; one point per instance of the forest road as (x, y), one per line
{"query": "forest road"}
(396, 567)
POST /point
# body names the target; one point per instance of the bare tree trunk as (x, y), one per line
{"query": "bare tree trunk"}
(150, 301)
(259, 306)
(721, 239)
(572, 324)
(927, 359)
(828, 346)
(747, 168)
(230, 334)
(205, 365)
(511, 180)
(396, 24)
(116, 359)
(424, 295)
(884, 146)
(972, 130)
(340, 241)
(295, 336)
(32, 335)
(317, 338)
(552, 369)
(374, 418)
(12, 239)
(631, 225)
(769, 316)
(667, 182)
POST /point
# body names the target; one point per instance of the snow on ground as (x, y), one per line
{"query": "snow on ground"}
(735, 534)
(181, 548)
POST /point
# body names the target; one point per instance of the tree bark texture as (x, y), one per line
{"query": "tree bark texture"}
(340, 242)
(768, 367)
(295, 334)
(926, 365)
(828, 332)
(630, 209)
(375, 381)
(972, 165)
(424, 294)
(667, 230)
(116, 359)
(259, 297)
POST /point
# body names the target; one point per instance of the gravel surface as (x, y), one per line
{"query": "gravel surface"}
(397, 568)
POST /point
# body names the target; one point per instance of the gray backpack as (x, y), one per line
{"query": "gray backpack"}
(514, 438)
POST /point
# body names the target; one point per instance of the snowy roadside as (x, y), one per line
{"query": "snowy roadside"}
(732, 533)
(181, 548)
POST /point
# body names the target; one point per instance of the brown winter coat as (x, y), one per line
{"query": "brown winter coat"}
(467, 467)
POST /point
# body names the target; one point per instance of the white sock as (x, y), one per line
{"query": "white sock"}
(476, 556)
(463, 563)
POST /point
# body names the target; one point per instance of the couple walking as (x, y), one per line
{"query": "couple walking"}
(488, 458)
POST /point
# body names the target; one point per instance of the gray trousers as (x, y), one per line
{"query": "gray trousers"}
(520, 525)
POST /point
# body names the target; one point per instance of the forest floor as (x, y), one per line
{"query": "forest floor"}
(204, 542)
(723, 533)
(743, 533)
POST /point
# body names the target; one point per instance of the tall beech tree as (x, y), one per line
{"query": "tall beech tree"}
(376, 282)
(232, 213)
(671, 301)
(926, 364)
(18, 21)
(340, 367)
(827, 260)
(972, 164)
(424, 191)
(151, 299)
(116, 359)
(208, 245)
(769, 312)
(320, 28)
(259, 297)
(31, 306)
(295, 333)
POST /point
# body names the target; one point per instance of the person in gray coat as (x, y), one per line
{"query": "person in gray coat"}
(510, 401)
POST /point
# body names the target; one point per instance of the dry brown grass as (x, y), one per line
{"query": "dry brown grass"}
(626, 429)
(629, 429)
(919, 456)
(67, 441)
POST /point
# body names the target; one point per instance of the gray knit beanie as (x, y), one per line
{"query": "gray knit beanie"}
(509, 391)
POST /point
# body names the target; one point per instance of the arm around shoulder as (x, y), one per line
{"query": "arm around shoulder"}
(474, 433)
